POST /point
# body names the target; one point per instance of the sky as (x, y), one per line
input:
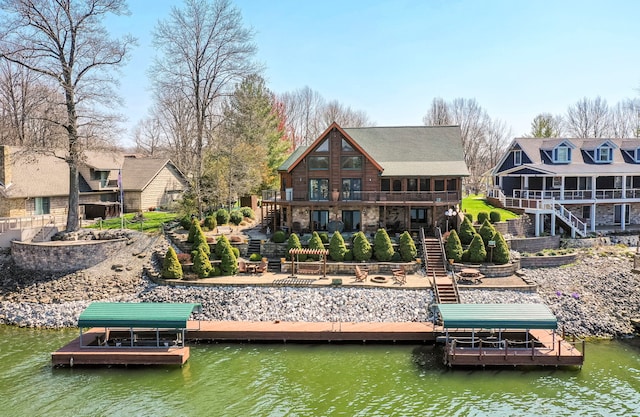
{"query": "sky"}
(391, 58)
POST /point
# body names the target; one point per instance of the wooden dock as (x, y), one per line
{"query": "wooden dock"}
(72, 354)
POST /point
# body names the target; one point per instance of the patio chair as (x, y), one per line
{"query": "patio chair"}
(361, 276)
(242, 267)
(399, 276)
(262, 267)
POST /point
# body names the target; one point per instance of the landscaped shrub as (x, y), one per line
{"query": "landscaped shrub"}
(465, 256)
(382, 247)
(193, 229)
(407, 247)
(482, 216)
(255, 257)
(247, 212)
(494, 216)
(487, 231)
(477, 252)
(337, 248)
(280, 236)
(361, 247)
(215, 272)
(185, 222)
(467, 231)
(210, 222)
(200, 240)
(201, 263)
(222, 216)
(453, 247)
(294, 243)
(221, 246)
(171, 268)
(315, 243)
(396, 257)
(501, 251)
(348, 255)
(236, 217)
(324, 237)
(236, 251)
(469, 216)
(229, 262)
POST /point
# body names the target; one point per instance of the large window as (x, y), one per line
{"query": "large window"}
(351, 162)
(418, 215)
(385, 184)
(351, 188)
(319, 189)
(617, 215)
(412, 184)
(323, 147)
(320, 219)
(397, 185)
(346, 146)
(562, 154)
(318, 163)
(351, 220)
(425, 184)
(438, 185)
(43, 205)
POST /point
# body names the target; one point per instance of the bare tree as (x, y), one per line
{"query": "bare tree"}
(588, 118)
(66, 42)
(204, 50)
(546, 125)
(345, 116)
(625, 119)
(439, 114)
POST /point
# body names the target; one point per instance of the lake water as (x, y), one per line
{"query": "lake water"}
(311, 380)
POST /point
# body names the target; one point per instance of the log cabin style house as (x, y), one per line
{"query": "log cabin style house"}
(361, 179)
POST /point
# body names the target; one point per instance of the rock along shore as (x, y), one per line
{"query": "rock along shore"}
(597, 296)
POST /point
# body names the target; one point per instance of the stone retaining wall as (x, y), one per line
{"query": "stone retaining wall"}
(547, 261)
(534, 244)
(64, 256)
(490, 271)
(347, 268)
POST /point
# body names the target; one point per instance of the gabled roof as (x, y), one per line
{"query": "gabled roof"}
(137, 173)
(402, 151)
(593, 144)
(550, 144)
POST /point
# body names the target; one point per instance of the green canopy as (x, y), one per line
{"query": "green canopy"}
(497, 316)
(136, 315)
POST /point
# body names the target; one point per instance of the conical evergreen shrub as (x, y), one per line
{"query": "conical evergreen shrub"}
(315, 243)
(171, 268)
(453, 247)
(337, 247)
(382, 247)
(487, 231)
(221, 245)
(193, 230)
(501, 254)
(201, 263)
(466, 231)
(229, 262)
(294, 243)
(407, 247)
(200, 240)
(361, 247)
(477, 252)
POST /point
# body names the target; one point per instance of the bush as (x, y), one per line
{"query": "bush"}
(361, 247)
(453, 247)
(407, 247)
(255, 257)
(501, 251)
(487, 231)
(348, 255)
(477, 252)
(280, 236)
(247, 212)
(221, 246)
(185, 222)
(396, 257)
(465, 256)
(324, 237)
(200, 240)
(482, 216)
(229, 262)
(294, 243)
(467, 231)
(469, 216)
(337, 248)
(222, 216)
(236, 251)
(236, 217)
(315, 243)
(215, 272)
(210, 222)
(494, 216)
(171, 268)
(201, 263)
(193, 229)
(382, 247)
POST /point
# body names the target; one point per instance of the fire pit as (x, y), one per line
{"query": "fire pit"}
(379, 280)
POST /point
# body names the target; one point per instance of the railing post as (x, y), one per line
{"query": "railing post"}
(559, 347)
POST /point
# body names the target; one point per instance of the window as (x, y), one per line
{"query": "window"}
(438, 185)
(397, 185)
(351, 220)
(412, 184)
(346, 146)
(319, 189)
(452, 185)
(102, 176)
(604, 154)
(517, 157)
(351, 162)
(43, 205)
(562, 154)
(586, 212)
(385, 184)
(320, 219)
(418, 215)
(318, 162)
(617, 215)
(638, 155)
(351, 188)
(617, 183)
(323, 147)
(425, 184)
(584, 183)
(557, 182)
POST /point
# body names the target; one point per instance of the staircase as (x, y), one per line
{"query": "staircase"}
(435, 263)
(445, 288)
(254, 246)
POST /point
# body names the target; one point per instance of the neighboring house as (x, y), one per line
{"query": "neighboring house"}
(33, 184)
(583, 183)
(351, 179)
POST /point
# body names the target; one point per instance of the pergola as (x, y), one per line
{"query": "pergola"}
(294, 261)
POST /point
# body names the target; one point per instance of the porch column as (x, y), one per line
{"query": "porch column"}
(624, 187)
(525, 186)
(593, 217)
(593, 187)
(561, 188)
(537, 224)
(553, 224)
(623, 214)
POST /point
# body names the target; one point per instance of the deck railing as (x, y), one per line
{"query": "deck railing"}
(20, 223)
(602, 194)
(450, 197)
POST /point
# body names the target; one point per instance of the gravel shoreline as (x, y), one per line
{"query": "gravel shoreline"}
(595, 297)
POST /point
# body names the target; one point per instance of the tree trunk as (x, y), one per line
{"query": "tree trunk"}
(73, 216)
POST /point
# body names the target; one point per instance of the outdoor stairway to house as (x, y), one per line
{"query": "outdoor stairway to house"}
(254, 247)
(435, 263)
(445, 290)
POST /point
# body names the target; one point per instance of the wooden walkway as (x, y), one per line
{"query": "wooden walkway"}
(546, 352)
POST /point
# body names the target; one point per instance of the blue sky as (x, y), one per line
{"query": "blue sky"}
(390, 58)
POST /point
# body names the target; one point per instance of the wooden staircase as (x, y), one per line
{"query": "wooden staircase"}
(445, 288)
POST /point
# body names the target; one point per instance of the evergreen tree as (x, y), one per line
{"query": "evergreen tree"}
(407, 247)
(487, 231)
(294, 243)
(221, 245)
(315, 243)
(477, 252)
(193, 230)
(337, 247)
(382, 247)
(453, 247)
(229, 262)
(201, 263)
(501, 254)
(171, 268)
(467, 231)
(361, 247)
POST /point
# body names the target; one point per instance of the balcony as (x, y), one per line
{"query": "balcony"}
(368, 197)
(569, 195)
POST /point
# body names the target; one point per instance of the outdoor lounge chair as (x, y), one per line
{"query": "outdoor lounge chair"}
(262, 267)
(361, 276)
(399, 276)
(242, 267)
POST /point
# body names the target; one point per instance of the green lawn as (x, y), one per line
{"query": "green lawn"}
(475, 203)
(151, 222)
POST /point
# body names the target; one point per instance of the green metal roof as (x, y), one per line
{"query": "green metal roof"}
(150, 315)
(497, 316)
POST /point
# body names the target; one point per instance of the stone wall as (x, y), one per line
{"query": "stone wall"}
(547, 261)
(490, 271)
(64, 256)
(534, 244)
(348, 268)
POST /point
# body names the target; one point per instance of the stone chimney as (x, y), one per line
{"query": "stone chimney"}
(5, 165)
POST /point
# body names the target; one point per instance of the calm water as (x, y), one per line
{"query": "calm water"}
(310, 380)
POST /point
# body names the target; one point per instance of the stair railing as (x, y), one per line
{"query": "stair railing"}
(424, 251)
(444, 256)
